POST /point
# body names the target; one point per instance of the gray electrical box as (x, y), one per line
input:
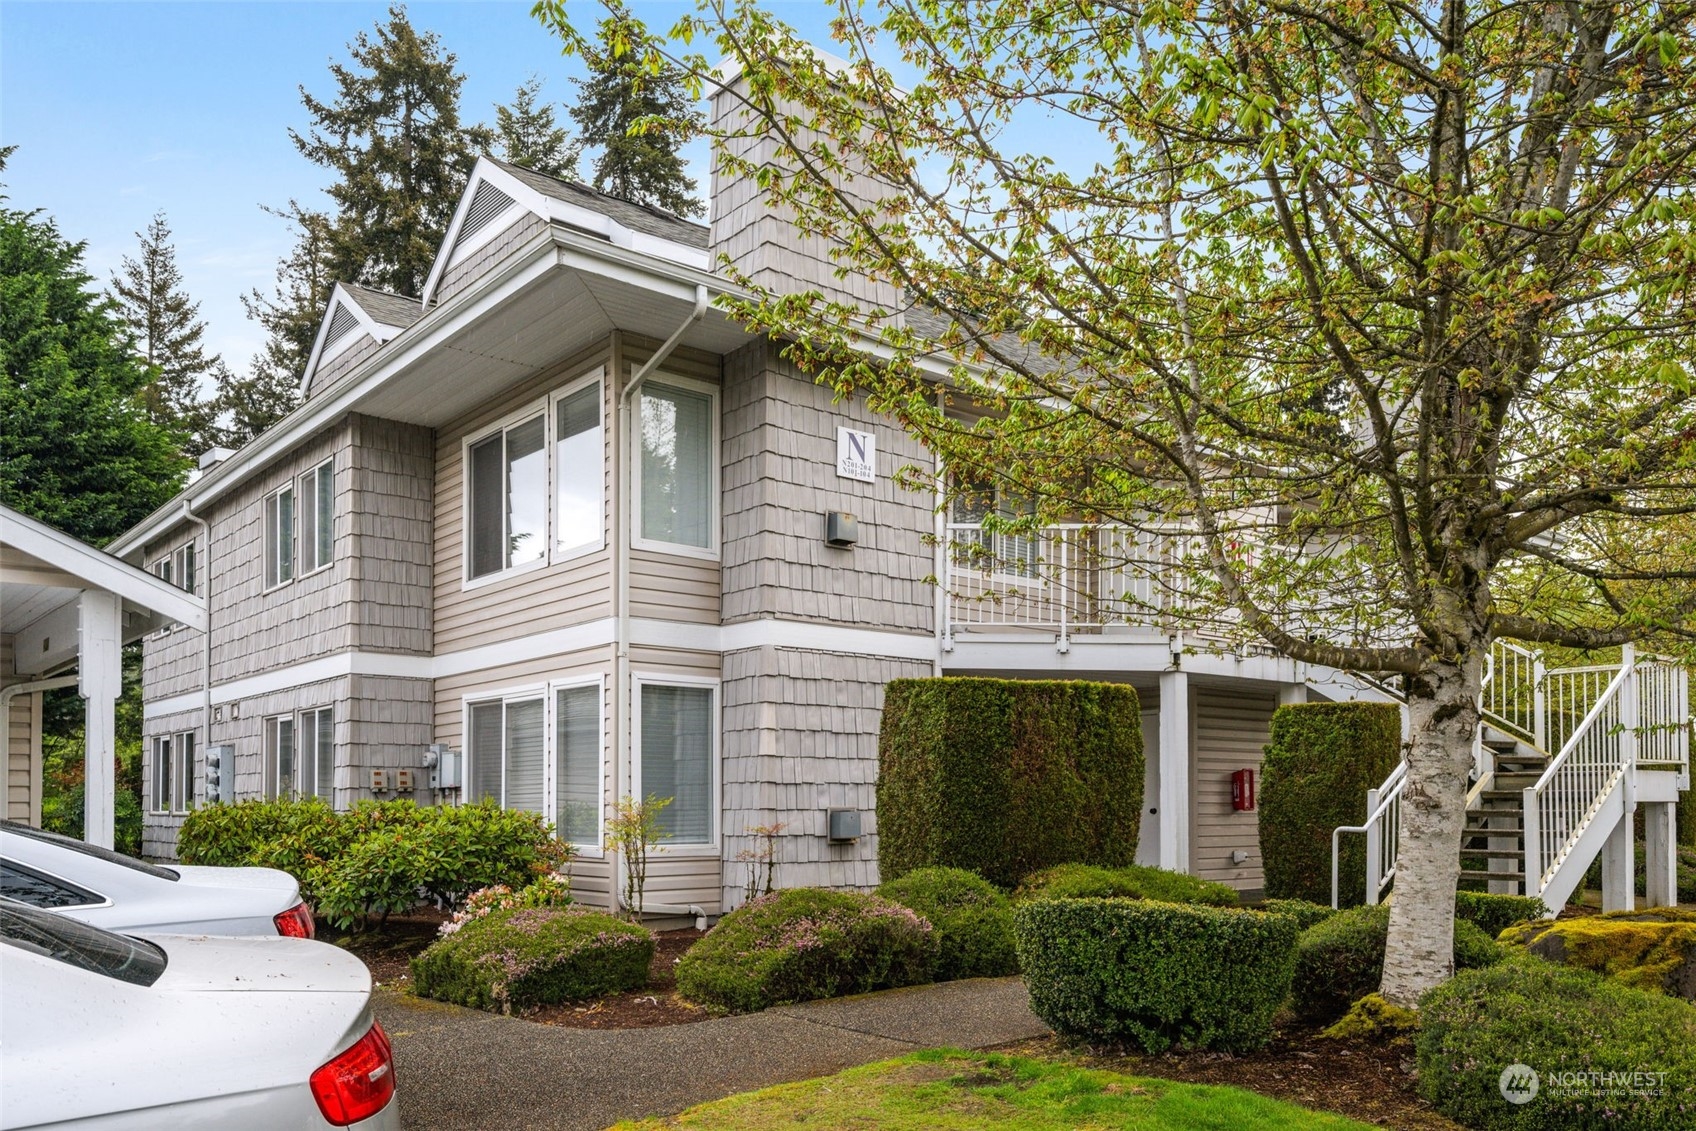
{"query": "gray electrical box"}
(221, 774)
(841, 529)
(844, 825)
(446, 765)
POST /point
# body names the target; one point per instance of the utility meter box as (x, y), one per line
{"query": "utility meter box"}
(446, 766)
(221, 774)
(844, 825)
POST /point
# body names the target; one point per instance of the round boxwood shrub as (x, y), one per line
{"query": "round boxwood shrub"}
(1305, 914)
(805, 943)
(1154, 974)
(524, 957)
(1569, 1026)
(1134, 881)
(1341, 959)
(969, 916)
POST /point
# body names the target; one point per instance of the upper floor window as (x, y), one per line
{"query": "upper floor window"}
(676, 467)
(279, 536)
(317, 516)
(535, 486)
(178, 567)
(997, 550)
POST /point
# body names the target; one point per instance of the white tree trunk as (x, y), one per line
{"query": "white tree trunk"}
(1443, 710)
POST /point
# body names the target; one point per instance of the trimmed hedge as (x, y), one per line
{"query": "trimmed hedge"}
(377, 858)
(520, 958)
(1006, 777)
(1155, 974)
(1494, 914)
(1341, 960)
(1322, 759)
(805, 943)
(1304, 913)
(1135, 881)
(1564, 1024)
(969, 916)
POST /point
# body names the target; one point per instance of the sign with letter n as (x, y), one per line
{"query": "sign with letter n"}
(856, 455)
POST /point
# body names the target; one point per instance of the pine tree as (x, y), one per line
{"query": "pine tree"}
(530, 137)
(391, 134)
(167, 334)
(77, 449)
(639, 118)
(290, 316)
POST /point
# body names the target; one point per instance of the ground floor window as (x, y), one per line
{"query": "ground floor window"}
(542, 749)
(677, 756)
(300, 755)
(173, 770)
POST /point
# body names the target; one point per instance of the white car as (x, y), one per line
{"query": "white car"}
(121, 893)
(118, 1033)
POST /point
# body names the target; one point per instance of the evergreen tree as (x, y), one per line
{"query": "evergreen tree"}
(530, 137)
(167, 334)
(639, 114)
(391, 134)
(78, 450)
(290, 316)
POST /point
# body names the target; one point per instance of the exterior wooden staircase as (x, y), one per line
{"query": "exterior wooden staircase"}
(1492, 847)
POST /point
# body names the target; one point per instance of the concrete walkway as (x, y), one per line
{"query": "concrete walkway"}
(464, 1069)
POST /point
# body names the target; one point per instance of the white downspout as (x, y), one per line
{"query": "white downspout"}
(623, 510)
(7, 694)
(204, 569)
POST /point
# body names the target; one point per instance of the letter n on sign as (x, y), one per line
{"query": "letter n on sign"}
(856, 455)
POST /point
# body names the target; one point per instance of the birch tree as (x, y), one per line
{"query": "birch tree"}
(1386, 306)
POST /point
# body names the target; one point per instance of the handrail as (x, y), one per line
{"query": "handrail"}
(1579, 731)
(1381, 852)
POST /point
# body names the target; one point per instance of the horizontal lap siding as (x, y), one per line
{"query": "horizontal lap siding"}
(23, 728)
(1231, 731)
(548, 597)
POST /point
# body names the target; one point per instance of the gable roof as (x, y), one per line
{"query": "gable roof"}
(354, 312)
(496, 190)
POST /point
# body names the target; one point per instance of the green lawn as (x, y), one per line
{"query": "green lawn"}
(944, 1090)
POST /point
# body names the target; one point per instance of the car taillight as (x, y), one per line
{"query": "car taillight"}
(359, 1082)
(296, 922)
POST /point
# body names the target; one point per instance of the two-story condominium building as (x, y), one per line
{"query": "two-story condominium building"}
(561, 532)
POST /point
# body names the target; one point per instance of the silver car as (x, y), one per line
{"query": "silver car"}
(117, 1033)
(121, 893)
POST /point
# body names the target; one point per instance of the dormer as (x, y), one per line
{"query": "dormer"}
(356, 321)
(504, 205)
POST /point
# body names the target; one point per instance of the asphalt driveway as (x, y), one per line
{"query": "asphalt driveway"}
(464, 1069)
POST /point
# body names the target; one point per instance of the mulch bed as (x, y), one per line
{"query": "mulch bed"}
(389, 953)
(1368, 1082)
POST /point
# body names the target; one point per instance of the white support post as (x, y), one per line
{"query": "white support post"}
(1531, 817)
(1618, 881)
(1660, 854)
(1175, 771)
(100, 679)
(1630, 710)
(1374, 849)
(1539, 703)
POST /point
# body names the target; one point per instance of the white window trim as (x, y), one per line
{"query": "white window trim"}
(271, 778)
(179, 784)
(550, 773)
(299, 494)
(266, 549)
(300, 730)
(542, 406)
(599, 543)
(502, 696)
(640, 680)
(633, 503)
(993, 574)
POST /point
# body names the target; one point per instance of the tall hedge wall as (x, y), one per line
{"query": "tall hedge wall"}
(1322, 759)
(1007, 777)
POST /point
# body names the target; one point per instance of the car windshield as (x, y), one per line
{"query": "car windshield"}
(87, 849)
(77, 944)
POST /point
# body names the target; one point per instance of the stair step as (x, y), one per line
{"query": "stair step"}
(1512, 795)
(1515, 780)
(1469, 874)
(1492, 830)
(1495, 853)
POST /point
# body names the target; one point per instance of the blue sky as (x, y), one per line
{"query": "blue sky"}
(121, 109)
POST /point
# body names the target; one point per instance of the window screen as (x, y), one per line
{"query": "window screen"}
(577, 773)
(677, 747)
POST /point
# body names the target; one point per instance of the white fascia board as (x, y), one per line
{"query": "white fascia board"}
(100, 569)
(600, 224)
(535, 260)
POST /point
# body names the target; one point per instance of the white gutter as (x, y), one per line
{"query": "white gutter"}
(623, 509)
